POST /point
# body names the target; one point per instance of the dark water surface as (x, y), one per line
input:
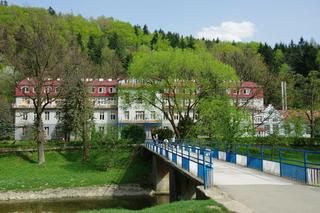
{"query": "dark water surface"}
(74, 205)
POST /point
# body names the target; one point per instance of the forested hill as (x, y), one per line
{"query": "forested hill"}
(111, 44)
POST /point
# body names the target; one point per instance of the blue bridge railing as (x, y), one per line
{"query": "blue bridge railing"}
(296, 164)
(194, 160)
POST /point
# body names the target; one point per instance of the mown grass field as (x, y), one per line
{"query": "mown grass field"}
(201, 206)
(20, 171)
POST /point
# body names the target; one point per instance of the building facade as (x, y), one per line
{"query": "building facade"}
(103, 95)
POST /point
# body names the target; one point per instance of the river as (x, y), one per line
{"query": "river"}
(77, 204)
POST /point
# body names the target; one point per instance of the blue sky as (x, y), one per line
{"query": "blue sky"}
(242, 20)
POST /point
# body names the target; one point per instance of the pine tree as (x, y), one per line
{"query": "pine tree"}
(154, 39)
(51, 11)
(145, 30)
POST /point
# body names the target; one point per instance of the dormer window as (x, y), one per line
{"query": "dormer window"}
(101, 90)
(48, 89)
(112, 90)
(246, 91)
(25, 89)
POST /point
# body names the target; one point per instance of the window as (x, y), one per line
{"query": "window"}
(46, 130)
(34, 116)
(112, 90)
(25, 116)
(101, 115)
(152, 115)
(258, 119)
(24, 130)
(126, 115)
(176, 116)
(25, 89)
(243, 102)
(196, 116)
(275, 119)
(101, 90)
(101, 129)
(93, 89)
(139, 115)
(101, 101)
(246, 91)
(113, 116)
(58, 115)
(48, 89)
(46, 116)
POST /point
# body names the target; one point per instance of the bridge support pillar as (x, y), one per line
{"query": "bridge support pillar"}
(186, 188)
(167, 180)
(161, 176)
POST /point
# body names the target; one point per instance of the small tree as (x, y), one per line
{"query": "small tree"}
(134, 133)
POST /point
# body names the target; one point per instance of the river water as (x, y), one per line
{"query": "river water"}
(74, 205)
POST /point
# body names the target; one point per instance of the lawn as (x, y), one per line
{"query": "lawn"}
(66, 169)
(202, 206)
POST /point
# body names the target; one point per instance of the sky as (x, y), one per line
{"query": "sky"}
(268, 21)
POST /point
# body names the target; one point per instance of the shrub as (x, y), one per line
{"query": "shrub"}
(162, 133)
(134, 133)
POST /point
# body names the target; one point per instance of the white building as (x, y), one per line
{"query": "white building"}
(103, 94)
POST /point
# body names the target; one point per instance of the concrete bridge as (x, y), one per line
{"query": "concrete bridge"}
(179, 170)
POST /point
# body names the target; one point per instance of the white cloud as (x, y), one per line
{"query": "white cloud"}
(228, 31)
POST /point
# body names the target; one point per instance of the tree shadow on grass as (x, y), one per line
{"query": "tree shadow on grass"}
(138, 169)
(26, 156)
(75, 163)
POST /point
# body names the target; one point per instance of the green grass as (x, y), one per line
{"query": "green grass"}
(66, 169)
(202, 206)
(32, 144)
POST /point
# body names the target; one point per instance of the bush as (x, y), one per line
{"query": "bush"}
(134, 133)
(162, 133)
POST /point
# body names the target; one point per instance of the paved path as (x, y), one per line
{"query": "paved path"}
(264, 193)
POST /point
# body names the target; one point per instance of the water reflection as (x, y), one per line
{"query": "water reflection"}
(74, 205)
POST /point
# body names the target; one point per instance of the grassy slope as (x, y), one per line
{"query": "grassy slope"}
(65, 169)
(202, 206)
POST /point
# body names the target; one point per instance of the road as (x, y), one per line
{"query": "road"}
(264, 193)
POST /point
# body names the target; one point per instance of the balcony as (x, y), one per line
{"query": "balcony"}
(139, 121)
(112, 105)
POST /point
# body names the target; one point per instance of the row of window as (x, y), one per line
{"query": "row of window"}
(26, 89)
(46, 116)
(46, 130)
(103, 89)
(112, 116)
(245, 91)
(139, 115)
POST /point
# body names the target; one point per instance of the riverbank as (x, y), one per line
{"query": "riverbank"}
(78, 192)
(65, 169)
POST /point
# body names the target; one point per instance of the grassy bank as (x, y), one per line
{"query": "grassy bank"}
(202, 206)
(66, 169)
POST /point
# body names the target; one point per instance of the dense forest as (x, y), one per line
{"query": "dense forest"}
(111, 44)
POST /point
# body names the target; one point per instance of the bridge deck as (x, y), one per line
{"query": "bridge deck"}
(263, 192)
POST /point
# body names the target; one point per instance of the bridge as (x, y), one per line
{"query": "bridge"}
(179, 169)
(241, 183)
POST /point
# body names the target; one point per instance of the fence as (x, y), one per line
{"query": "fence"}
(196, 160)
(295, 164)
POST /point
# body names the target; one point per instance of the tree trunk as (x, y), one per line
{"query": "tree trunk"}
(85, 141)
(40, 136)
